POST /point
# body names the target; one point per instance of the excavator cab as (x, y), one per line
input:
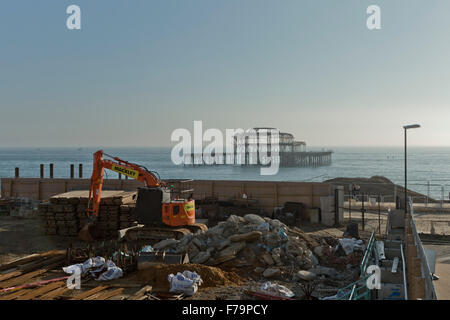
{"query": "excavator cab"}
(154, 205)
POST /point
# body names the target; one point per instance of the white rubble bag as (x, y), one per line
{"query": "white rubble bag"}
(350, 245)
(85, 266)
(99, 263)
(186, 282)
(277, 290)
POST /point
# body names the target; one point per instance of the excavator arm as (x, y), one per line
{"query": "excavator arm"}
(118, 165)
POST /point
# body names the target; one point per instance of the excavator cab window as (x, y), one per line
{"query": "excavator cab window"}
(176, 210)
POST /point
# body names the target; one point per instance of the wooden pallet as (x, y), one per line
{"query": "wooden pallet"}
(22, 279)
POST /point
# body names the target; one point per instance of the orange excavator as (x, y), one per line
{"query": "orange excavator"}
(158, 215)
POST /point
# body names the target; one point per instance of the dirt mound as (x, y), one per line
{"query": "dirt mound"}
(211, 276)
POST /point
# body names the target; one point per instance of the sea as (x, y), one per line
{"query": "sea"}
(428, 167)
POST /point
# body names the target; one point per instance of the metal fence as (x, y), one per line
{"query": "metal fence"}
(430, 293)
(429, 193)
(369, 210)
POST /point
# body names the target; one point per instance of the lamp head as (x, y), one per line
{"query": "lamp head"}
(411, 126)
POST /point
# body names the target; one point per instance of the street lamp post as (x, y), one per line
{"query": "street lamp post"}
(411, 126)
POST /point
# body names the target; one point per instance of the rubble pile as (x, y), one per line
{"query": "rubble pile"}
(269, 246)
(65, 214)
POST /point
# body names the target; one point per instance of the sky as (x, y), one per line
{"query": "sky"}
(137, 70)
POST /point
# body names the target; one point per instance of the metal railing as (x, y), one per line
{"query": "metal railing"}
(430, 293)
(358, 289)
(405, 283)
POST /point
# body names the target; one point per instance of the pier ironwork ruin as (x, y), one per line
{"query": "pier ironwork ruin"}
(258, 146)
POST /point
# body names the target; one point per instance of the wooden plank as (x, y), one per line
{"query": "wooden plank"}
(10, 275)
(89, 293)
(17, 262)
(54, 294)
(27, 276)
(106, 295)
(141, 293)
(21, 279)
(395, 265)
(30, 258)
(418, 291)
(113, 284)
(41, 290)
(13, 294)
(42, 263)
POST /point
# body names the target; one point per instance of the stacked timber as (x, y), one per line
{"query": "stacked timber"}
(47, 218)
(65, 214)
(127, 217)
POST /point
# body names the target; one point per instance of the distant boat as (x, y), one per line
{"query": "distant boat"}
(80, 149)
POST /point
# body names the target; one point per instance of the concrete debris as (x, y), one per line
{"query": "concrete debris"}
(304, 275)
(201, 257)
(321, 270)
(165, 244)
(271, 272)
(259, 270)
(267, 259)
(232, 249)
(269, 247)
(253, 219)
(249, 236)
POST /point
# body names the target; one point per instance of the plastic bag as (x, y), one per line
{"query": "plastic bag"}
(263, 227)
(99, 263)
(186, 282)
(277, 290)
(85, 266)
(194, 276)
(283, 234)
(75, 268)
(113, 272)
(147, 248)
(350, 245)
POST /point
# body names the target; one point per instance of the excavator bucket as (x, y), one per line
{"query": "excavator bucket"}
(90, 233)
(147, 259)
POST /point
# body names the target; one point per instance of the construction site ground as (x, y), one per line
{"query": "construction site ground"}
(21, 237)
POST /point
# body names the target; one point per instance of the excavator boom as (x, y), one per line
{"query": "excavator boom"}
(118, 165)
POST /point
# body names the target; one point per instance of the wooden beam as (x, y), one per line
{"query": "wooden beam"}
(106, 295)
(418, 291)
(53, 294)
(141, 293)
(31, 294)
(23, 279)
(89, 293)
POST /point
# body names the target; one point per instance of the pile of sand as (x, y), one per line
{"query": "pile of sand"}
(156, 276)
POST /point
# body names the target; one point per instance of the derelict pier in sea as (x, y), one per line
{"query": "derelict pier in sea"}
(255, 147)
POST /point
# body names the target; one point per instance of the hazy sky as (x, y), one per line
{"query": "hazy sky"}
(137, 70)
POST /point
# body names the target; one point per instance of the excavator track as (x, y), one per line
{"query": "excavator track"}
(150, 233)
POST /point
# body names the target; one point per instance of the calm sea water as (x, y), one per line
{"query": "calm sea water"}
(424, 164)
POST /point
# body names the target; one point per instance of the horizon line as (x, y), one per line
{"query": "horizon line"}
(137, 146)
